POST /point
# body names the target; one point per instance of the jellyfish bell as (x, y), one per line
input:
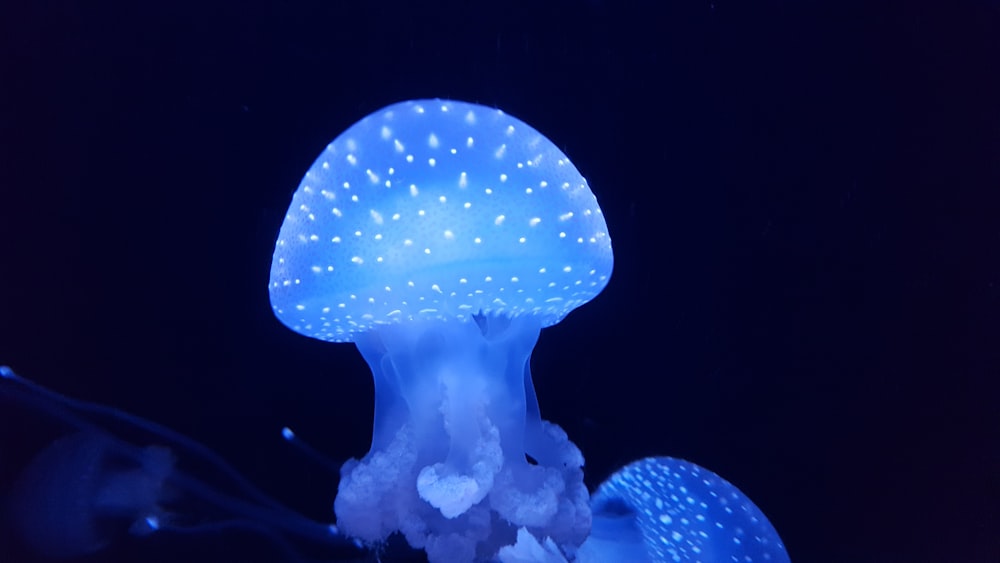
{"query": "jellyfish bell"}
(90, 488)
(440, 237)
(437, 210)
(668, 509)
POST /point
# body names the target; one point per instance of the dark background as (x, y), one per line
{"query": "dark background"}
(802, 198)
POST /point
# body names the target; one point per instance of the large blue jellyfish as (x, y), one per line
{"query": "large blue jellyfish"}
(440, 237)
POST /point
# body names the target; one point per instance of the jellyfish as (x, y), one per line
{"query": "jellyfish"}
(668, 509)
(440, 237)
(90, 487)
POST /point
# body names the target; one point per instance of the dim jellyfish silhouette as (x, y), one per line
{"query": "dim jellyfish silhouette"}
(440, 237)
(90, 487)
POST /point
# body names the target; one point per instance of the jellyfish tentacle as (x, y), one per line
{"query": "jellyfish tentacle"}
(308, 450)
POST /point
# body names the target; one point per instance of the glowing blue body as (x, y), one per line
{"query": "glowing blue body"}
(667, 509)
(440, 237)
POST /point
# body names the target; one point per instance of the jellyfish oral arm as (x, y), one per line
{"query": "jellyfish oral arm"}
(447, 465)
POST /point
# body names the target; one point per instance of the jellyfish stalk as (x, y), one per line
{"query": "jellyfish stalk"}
(449, 471)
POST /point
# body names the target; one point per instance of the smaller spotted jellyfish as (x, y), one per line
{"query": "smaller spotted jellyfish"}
(666, 509)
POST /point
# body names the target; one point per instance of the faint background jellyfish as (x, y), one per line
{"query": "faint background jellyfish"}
(90, 488)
